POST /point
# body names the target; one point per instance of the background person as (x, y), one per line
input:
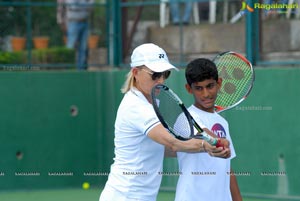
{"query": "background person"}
(73, 16)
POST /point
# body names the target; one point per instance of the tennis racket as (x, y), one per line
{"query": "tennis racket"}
(238, 78)
(174, 116)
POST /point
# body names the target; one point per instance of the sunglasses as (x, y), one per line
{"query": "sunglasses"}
(156, 75)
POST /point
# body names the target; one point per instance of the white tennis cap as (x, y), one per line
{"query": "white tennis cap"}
(152, 56)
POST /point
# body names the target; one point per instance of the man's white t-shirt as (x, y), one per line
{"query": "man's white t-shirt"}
(203, 177)
(138, 159)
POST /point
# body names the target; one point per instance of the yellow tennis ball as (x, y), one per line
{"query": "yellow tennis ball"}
(86, 185)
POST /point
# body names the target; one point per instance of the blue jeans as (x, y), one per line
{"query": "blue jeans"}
(175, 11)
(77, 37)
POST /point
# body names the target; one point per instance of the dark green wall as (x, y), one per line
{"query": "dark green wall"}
(36, 120)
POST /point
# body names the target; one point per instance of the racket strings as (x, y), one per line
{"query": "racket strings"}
(237, 79)
(172, 114)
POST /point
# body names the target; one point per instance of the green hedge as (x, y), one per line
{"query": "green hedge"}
(43, 56)
(12, 58)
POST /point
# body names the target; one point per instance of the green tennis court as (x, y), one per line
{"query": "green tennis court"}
(73, 195)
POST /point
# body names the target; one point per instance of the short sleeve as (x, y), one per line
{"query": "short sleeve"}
(144, 118)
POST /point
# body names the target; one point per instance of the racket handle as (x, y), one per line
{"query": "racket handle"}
(211, 140)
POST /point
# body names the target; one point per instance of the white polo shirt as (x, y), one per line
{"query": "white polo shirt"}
(138, 159)
(205, 178)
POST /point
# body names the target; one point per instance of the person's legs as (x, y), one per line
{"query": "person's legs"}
(82, 46)
(72, 34)
(175, 11)
(187, 12)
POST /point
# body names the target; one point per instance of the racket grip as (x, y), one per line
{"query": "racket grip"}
(211, 140)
